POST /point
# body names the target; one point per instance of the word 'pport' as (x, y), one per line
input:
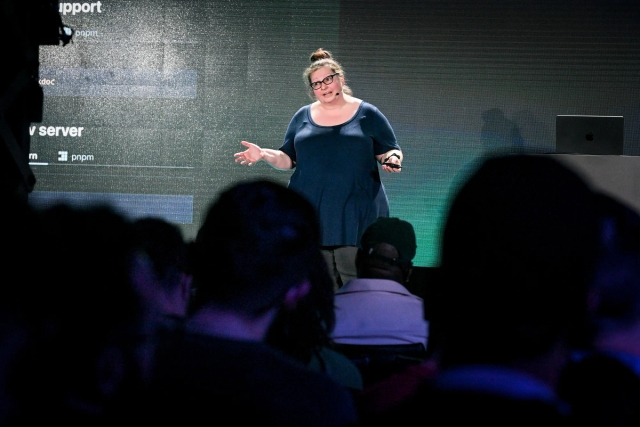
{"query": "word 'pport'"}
(74, 8)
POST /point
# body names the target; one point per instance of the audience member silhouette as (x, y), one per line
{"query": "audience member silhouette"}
(24, 268)
(87, 350)
(304, 331)
(252, 259)
(602, 383)
(522, 240)
(161, 272)
(518, 247)
(377, 317)
(376, 308)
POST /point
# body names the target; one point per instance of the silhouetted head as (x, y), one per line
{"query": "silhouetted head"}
(161, 272)
(388, 246)
(25, 267)
(615, 289)
(518, 250)
(302, 331)
(253, 247)
(163, 243)
(87, 354)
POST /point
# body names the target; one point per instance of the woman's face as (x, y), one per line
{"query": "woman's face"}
(326, 92)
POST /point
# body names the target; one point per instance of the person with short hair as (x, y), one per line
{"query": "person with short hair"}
(304, 331)
(518, 249)
(250, 261)
(335, 145)
(88, 355)
(161, 273)
(602, 380)
(376, 308)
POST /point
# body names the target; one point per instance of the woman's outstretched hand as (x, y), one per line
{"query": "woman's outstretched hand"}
(252, 155)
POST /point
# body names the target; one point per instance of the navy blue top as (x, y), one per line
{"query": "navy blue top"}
(337, 171)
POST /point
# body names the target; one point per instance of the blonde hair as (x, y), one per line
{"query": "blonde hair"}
(322, 58)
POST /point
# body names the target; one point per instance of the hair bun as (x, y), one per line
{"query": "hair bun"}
(320, 54)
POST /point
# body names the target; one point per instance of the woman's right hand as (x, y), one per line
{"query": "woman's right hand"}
(252, 155)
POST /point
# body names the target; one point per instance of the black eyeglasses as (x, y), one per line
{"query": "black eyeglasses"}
(327, 81)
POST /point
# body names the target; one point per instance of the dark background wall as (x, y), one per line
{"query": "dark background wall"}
(165, 90)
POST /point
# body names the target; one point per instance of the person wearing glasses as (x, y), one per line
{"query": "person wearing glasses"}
(335, 145)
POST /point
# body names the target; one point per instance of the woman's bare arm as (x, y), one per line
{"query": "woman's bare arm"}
(253, 154)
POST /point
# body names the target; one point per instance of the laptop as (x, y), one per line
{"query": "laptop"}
(589, 134)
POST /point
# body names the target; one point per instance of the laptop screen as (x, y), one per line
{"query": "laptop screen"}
(589, 134)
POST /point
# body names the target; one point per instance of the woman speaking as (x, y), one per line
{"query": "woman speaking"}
(335, 145)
